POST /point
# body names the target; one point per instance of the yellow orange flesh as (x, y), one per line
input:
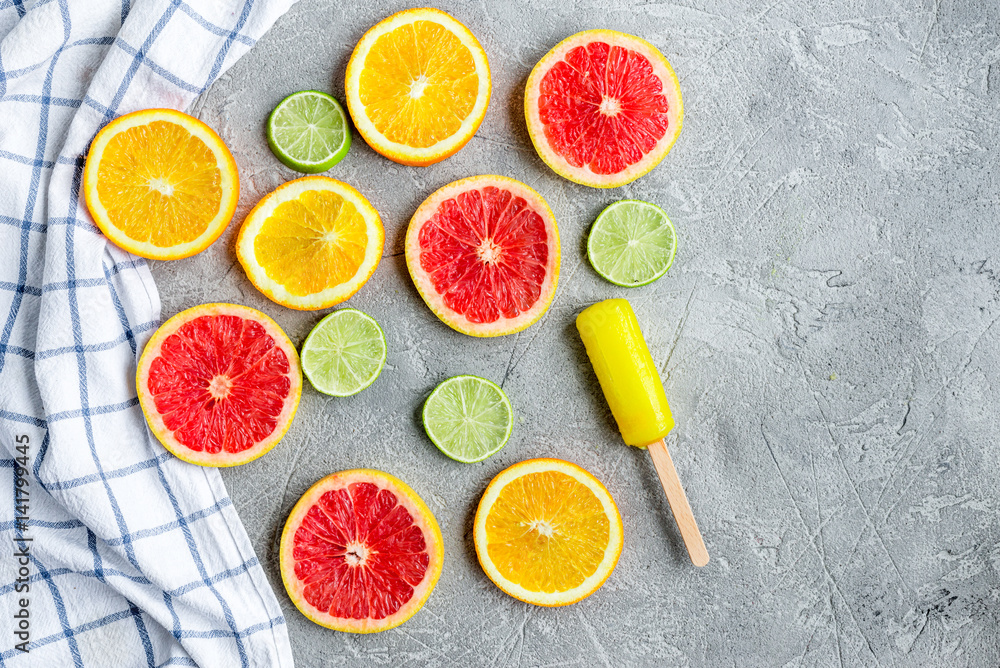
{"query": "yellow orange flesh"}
(547, 532)
(320, 231)
(159, 171)
(419, 81)
(160, 184)
(311, 243)
(417, 86)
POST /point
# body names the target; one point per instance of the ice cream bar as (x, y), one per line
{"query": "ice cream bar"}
(631, 384)
(625, 369)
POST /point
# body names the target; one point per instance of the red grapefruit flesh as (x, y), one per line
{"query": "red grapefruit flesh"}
(360, 552)
(603, 108)
(484, 255)
(219, 384)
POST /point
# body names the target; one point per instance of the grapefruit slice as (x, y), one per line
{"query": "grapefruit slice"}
(219, 384)
(484, 255)
(360, 552)
(603, 108)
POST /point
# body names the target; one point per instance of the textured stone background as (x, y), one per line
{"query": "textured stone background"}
(828, 339)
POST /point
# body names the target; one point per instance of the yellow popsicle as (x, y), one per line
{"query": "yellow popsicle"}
(631, 384)
(625, 369)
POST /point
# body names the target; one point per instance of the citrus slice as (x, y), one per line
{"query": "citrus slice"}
(603, 108)
(160, 184)
(344, 353)
(484, 254)
(418, 84)
(311, 243)
(632, 243)
(308, 132)
(219, 384)
(360, 552)
(468, 418)
(547, 532)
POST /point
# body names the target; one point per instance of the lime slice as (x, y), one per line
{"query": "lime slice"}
(632, 243)
(344, 353)
(468, 418)
(308, 131)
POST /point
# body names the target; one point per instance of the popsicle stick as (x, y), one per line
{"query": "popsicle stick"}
(679, 503)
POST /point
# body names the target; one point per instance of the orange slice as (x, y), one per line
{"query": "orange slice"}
(418, 84)
(311, 243)
(160, 184)
(547, 532)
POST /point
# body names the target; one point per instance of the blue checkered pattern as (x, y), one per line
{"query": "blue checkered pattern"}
(136, 558)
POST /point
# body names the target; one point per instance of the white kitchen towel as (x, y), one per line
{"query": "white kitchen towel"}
(114, 552)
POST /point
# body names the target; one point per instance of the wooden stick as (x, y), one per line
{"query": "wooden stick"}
(679, 503)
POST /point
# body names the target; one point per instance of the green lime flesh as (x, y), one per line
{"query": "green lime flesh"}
(308, 132)
(344, 353)
(468, 418)
(632, 243)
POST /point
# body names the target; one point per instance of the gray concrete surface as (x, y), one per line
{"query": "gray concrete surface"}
(828, 338)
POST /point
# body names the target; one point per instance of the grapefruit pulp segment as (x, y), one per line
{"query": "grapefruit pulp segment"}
(603, 108)
(484, 254)
(485, 223)
(219, 384)
(360, 552)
